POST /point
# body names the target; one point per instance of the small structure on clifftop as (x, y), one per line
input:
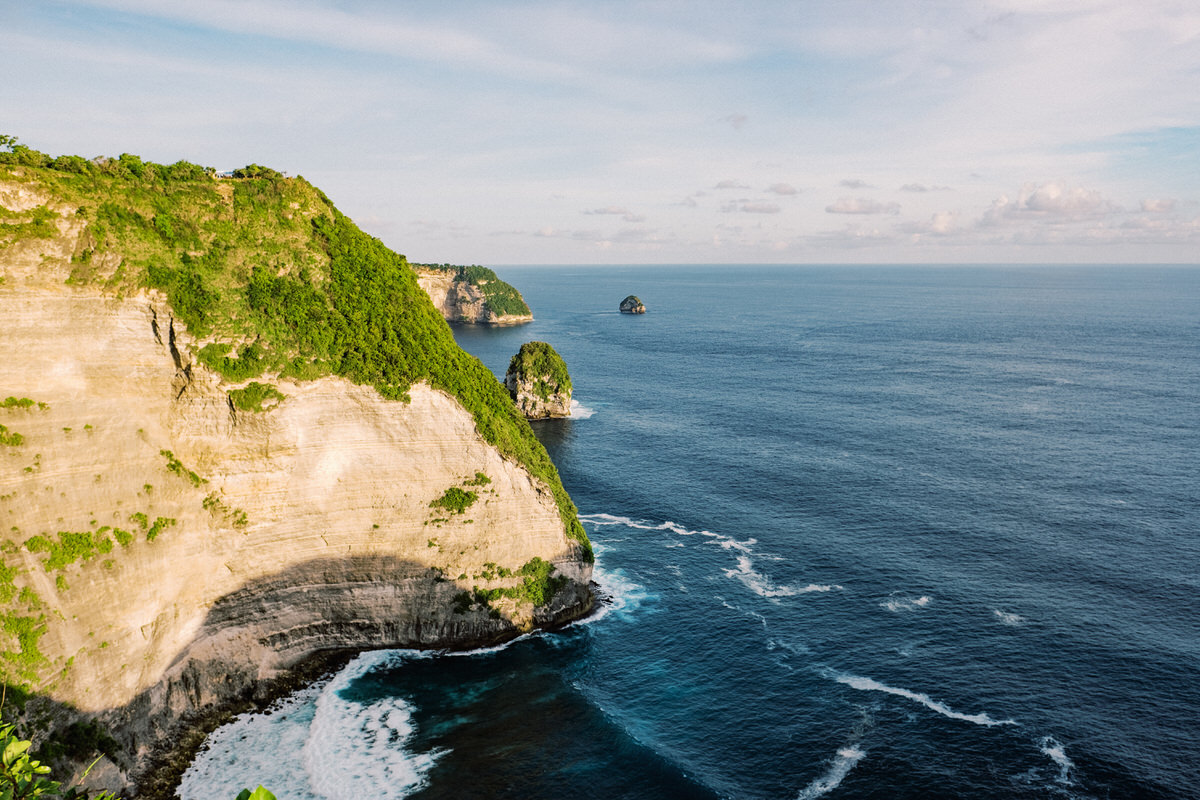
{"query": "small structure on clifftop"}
(632, 305)
(538, 382)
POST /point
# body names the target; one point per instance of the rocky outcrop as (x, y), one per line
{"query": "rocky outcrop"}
(538, 382)
(465, 298)
(167, 554)
(632, 305)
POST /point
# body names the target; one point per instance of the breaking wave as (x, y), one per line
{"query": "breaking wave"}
(1058, 754)
(762, 586)
(344, 748)
(870, 685)
(842, 763)
(906, 603)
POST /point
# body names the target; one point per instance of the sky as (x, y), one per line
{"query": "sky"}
(681, 131)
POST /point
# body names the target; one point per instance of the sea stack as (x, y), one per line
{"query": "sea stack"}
(632, 305)
(538, 382)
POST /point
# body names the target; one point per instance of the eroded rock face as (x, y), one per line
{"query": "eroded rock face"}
(223, 547)
(538, 382)
(632, 305)
(461, 302)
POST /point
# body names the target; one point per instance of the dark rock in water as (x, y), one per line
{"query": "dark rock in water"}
(538, 382)
(632, 305)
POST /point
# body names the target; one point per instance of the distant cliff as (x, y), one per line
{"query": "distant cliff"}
(235, 435)
(472, 295)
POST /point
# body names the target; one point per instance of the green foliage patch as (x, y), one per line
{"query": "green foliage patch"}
(252, 397)
(10, 438)
(176, 466)
(71, 546)
(455, 500)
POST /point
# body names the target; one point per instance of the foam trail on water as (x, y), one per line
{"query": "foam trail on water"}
(1007, 618)
(1058, 754)
(355, 749)
(761, 585)
(255, 749)
(870, 685)
(618, 595)
(579, 410)
(641, 525)
(845, 760)
(906, 603)
(346, 749)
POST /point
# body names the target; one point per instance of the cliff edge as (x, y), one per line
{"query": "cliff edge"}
(210, 474)
(472, 295)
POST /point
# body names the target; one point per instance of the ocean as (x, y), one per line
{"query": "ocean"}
(861, 532)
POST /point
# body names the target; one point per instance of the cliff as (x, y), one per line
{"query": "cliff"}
(472, 295)
(538, 381)
(168, 551)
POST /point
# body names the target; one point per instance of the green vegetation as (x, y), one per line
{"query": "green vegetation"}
(541, 363)
(279, 282)
(176, 466)
(501, 298)
(455, 500)
(71, 546)
(23, 778)
(10, 438)
(160, 524)
(538, 587)
(479, 480)
(20, 402)
(252, 397)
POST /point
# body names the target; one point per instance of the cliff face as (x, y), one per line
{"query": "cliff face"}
(165, 552)
(462, 301)
(538, 382)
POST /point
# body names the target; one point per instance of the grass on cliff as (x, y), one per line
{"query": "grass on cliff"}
(276, 280)
(501, 298)
(541, 363)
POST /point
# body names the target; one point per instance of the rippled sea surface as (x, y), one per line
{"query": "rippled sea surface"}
(863, 532)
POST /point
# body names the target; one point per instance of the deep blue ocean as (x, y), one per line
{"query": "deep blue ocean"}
(862, 532)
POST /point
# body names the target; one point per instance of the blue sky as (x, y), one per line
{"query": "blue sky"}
(823, 131)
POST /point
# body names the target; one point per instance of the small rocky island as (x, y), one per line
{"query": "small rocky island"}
(538, 382)
(632, 305)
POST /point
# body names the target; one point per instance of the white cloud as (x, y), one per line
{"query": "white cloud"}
(784, 189)
(619, 211)
(1051, 202)
(862, 205)
(1158, 206)
(731, 184)
(855, 183)
(737, 121)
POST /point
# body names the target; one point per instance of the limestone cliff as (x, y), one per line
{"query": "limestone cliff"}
(166, 551)
(538, 381)
(472, 295)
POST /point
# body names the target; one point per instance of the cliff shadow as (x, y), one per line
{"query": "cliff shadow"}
(281, 632)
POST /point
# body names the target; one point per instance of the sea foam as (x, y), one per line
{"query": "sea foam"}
(762, 586)
(906, 603)
(343, 748)
(579, 410)
(1006, 618)
(1058, 754)
(870, 685)
(841, 765)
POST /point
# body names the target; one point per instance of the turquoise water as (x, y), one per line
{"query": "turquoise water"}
(862, 532)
